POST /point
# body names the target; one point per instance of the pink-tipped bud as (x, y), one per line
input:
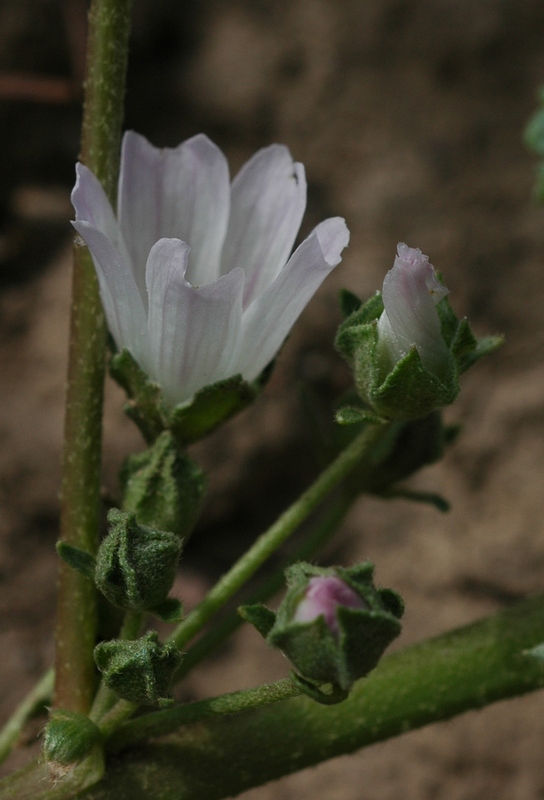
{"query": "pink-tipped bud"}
(323, 596)
(410, 293)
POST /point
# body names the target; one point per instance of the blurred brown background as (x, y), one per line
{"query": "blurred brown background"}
(408, 116)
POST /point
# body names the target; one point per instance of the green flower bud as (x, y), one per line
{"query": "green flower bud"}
(163, 487)
(333, 625)
(141, 671)
(406, 346)
(136, 565)
(69, 737)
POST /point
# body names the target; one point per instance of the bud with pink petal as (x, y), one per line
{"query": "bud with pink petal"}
(406, 346)
(333, 625)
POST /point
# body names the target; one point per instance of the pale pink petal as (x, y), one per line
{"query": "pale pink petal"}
(323, 595)
(268, 320)
(410, 293)
(91, 204)
(268, 202)
(193, 331)
(180, 193)
(123, 307)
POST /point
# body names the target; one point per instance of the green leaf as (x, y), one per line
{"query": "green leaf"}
(170, 610)
(78, 559)
(351, 415)
(259, 616)
(349, 302)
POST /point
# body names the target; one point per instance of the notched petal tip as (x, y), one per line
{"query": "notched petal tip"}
(333, 236)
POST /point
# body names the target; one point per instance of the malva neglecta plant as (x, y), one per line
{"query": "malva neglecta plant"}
(196, 281)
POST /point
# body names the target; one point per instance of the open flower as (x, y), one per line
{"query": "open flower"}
(194, 272)
(410, 293)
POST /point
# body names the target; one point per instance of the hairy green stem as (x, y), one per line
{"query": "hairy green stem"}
(11, 732)
(161, 722)
(109, 22)
(490, 660)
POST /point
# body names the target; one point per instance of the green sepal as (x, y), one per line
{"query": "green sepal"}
(327, 694)
(141, 670)
(188, 421)
(536, 652)
(259, 616)
(145, 406)
(352, 415)
(210, 407)
(170, 610)
(322, 657)
(78, 559)
(136, 565)
(410, 390)
(69, 737)
(163, 487)
(428, 498)
(349, 302)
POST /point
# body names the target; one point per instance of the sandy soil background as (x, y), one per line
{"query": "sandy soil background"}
(408, 116)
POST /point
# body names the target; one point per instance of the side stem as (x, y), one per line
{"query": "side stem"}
(269, 541)
(109, 22)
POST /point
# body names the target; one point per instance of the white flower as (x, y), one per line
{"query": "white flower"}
(410, 293)
(194, 272)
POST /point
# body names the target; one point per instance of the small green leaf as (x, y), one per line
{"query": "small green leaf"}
(351, 415)
(259, 616)
(349, 302)
(78, 559)
(170, 610)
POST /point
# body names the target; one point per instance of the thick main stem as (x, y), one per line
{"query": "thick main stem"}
(109, 22)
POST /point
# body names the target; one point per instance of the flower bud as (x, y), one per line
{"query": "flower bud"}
(406, 346)
(136, 565)
(69, 737)
(333, 625)
(163, 487)
(140, 671)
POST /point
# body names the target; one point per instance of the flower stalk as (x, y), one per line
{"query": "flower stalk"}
(109, 22)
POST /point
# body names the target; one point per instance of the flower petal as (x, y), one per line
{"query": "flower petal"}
(180, 193)
(194, 332)
(268, 202)
(120, 296)
(92, 205)
(410, 293)
(268, 320)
